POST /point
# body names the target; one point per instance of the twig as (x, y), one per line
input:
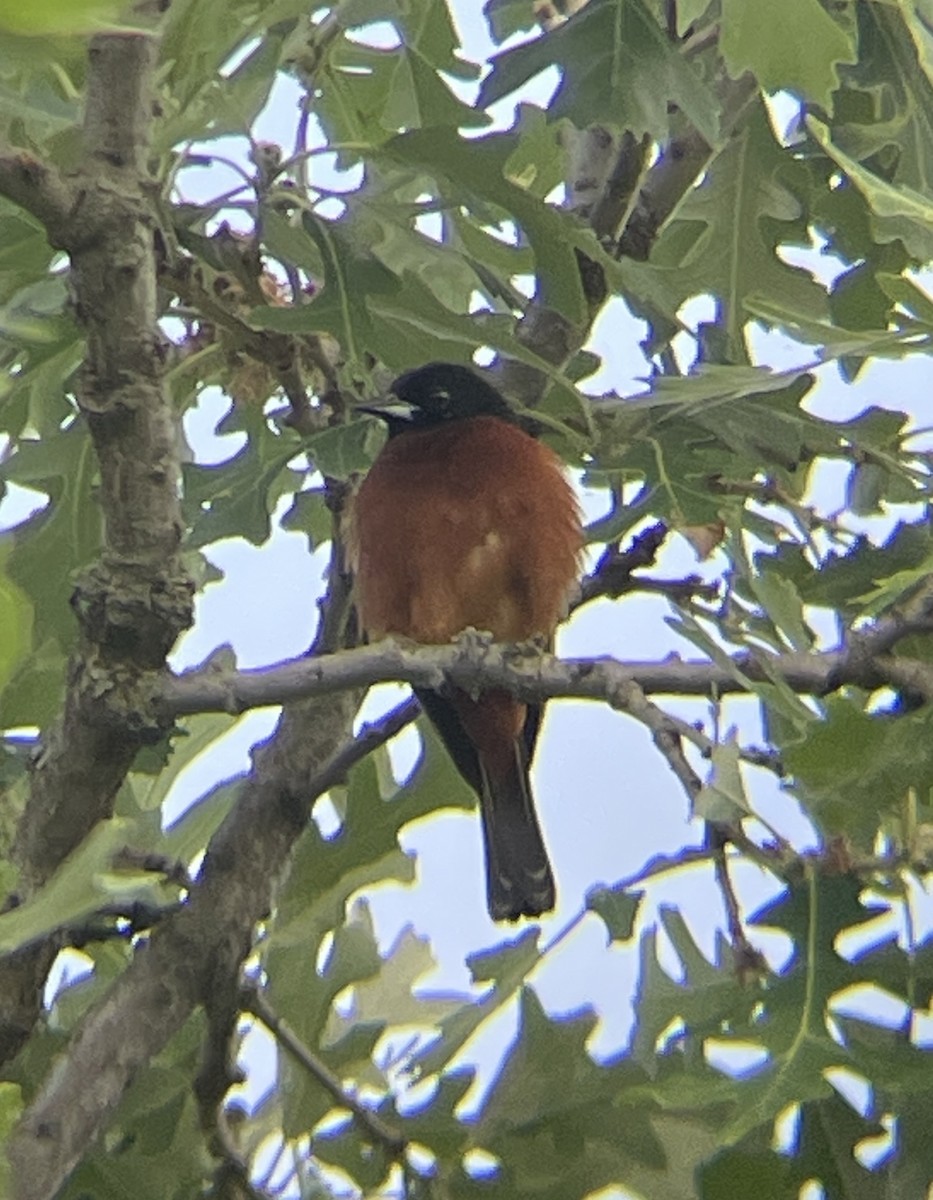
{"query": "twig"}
(217, 1071)
(768, 760)
(698, 41)
(749, 961)
(612, 574)
(663, 864)
(253, 1001)
(911, 615)
(132, 859)
(278, 351)
(690, 587)
(370, 737)
(137, 917)
(667, 738)
(336, 626)
(232, 1179)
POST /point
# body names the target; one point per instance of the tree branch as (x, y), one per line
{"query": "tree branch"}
(153, 998)
(223, 996)
(371, 1123)
(208, 939)
(36, 186)
(132, 604)
(473, 661)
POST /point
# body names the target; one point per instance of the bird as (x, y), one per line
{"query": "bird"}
(466, 520)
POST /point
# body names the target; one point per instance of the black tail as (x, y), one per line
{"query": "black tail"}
(519, 881)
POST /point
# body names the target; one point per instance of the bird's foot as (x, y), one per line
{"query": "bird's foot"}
(533, 647)
(474, 640)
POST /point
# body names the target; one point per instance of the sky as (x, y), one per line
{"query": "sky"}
(608, 801)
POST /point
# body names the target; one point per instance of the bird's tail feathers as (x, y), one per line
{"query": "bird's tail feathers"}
(519, 880)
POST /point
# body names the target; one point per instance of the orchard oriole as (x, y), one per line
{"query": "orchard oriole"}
(465, 520)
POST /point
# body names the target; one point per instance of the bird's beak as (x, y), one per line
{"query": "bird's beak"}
(392, 413)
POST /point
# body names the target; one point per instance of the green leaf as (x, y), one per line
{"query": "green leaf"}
(843, 578)
(829, 1134)
(11, 1107)
(25, 253)
(354, 954)
(37, 395)
(343, 451)
(44, 17)
(795, 46)
(866, 488)
(354, 1153)
(310, 515)
(776, 693)
(190, 834)
(505, 17)
(85, 881)
(401, 321)
(324, 875)
(387, 995)
(366, 95)
(435, 1123)
(618, 68)
(781, 601)
(419, 98)
(15, 623)
(524, 1096)
(618, 907)
(711, 385)
(725, 236)
(509, 958)
(853, 768)
(892, 140)
(723, 797)
(237, 497)
(857, 299)
(563, 1127)
(157, 1149)
(899, 211)
(291, 244)
(478, 171)
(688, 13)
(735, 1174)
(835, 341)
(705, 1000)
(793, 1024)
(893, 587)
(506, 967)
(34, 692)
(198, 41)
(798, 1075)
(50, 546)
(189, 739)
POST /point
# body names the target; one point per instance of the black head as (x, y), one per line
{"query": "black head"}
(440, 392)
(449, 392)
